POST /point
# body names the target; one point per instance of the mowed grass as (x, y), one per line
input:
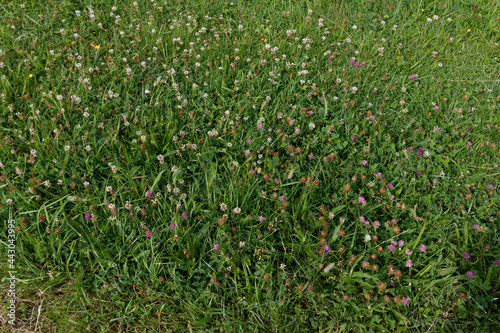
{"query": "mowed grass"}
(253, 166)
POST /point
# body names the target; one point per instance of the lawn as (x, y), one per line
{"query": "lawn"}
(249, 166)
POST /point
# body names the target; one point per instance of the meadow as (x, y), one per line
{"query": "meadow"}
(249, 166)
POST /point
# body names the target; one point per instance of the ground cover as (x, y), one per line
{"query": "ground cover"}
(174, 166)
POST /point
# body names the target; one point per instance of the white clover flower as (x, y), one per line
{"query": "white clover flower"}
(368, 238)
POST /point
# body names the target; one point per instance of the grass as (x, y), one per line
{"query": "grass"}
(250, 166)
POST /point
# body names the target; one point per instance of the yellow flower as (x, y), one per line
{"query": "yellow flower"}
(265, 40)
(31, 75)
(422, 10)
(468, 30)
(97, 47)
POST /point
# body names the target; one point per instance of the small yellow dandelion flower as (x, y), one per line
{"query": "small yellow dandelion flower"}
(422, 10)
(31, 75)
(468, 30)
(265, 40)
(97, 47)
